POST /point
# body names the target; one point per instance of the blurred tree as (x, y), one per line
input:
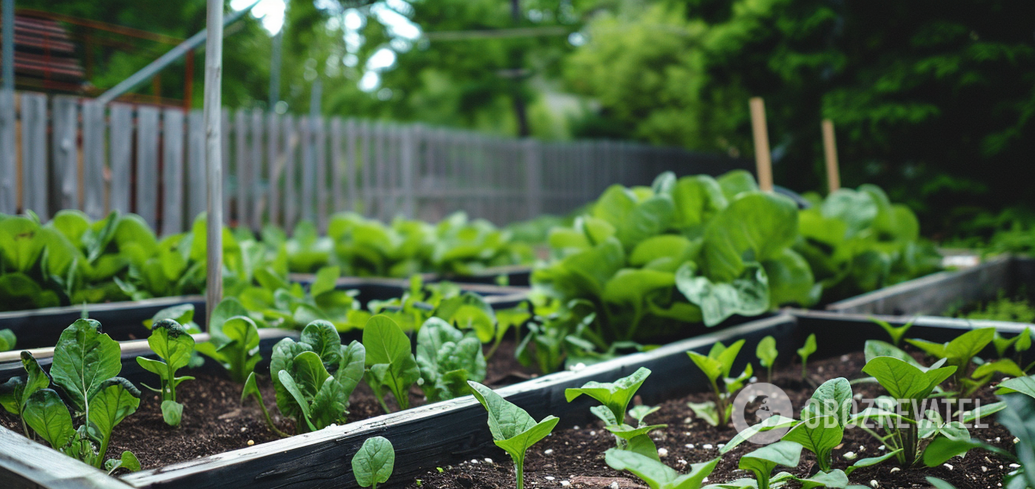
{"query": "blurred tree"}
(931, 99)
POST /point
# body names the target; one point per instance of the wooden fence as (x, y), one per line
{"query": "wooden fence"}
(64, 152)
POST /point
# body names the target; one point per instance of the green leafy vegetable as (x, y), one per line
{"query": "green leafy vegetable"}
(373, 463)
(447, 359)
(7, 340)
(823, 420)
(804, 352)
(615, 396)
(656, 474)
(716, 366)
(390, 365)
(512, 428)
(959, 353)
(895, 332)
(233, 340)
(174, 346)
(762, 461)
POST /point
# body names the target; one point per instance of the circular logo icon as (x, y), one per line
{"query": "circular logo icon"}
(771, 401)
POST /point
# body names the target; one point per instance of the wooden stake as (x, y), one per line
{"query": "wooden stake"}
(763, 161)
(213, 158)
(830, 151)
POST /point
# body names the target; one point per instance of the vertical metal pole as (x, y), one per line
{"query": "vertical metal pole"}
(213, 157)
(278, 43)
(8, 45)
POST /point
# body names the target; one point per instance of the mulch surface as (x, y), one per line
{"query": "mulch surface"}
(214, 421)
(574, 457)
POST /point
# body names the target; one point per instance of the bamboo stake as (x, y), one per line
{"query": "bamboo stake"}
(213, 158)
(763, 160)
(830, 151)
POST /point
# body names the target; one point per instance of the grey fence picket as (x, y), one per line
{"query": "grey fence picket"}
(8, 157)
(197, 192)
(290, 176)
(121, 132)
(35, 178)
(320, 154)
(65, 170)
(255, 173)
(307, 185)
(337, 185)
(172, 171)
(94, 138)
(274, 167)
(225, 133)
(241, 171)
(147, 165)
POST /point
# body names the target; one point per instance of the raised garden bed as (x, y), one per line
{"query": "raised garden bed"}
(444, 434)
(944, 292)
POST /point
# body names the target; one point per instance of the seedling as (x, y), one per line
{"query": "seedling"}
(447, 359)
(895, 332)
(656, 474)
(374, 462)
(804, 352)
(767, 353)
(614, 398)
(716, 366)
(233, 340)
(762, 461)
(174, 346)
(86, 367)
(313, 377)
(512, 428)
(905, 384)
(823, 420)
(390, 365)
(960, 353)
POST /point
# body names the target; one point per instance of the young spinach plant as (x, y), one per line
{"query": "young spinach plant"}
(804, 352)
(716, 366)
(447, 359)
(961, 353)
(512, 428)
(314, 377)
(908, 386)
(374, 462)
(895, 332)
(767, 353)
(7, 340)
(86, 367)
(233, 340)
(174, 345)
(823, 421)
(656, 474)
(614, 398)
(390, 365)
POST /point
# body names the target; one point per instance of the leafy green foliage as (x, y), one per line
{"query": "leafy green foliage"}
(7, 340)
(804, 352)
(767, 353)
(447, 359)
(823, 420)
(716, 366)
(960, 352)
(174, 346)
(615, 396)
(909, 385)
(895, 332)
(512, 428)
(1017, 418)
(390, 366)
(762, 461)
(374, 462)
(656, 474)
(85, 368)
(313, 377)
(233, 340)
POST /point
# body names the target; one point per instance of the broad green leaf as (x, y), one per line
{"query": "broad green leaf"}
(1024, 385)
(871, 461)
(48, 416)
(736, 182)
(633, 220)
(127, 461)
(876, 348)
(374, 462)
(766, 351)
(697, 199)
(762, 461)
(326, 279)
(512, 428)
(854, 208)
(116, 399)
(84, 359)
(182, 314)
(747, 294)
(904, 381)
(1004, 366)
(833, 479)
(706, 410)
(832, 398)
(771, 423)
(656, 474)
(7, 340)
(469, 311)
(757, 224)
(790, 279)
(442, 349)
(387, 345)
(325, 341)
(226, 309)
(172, 343)
(819, 435)
(172, 412)
(615, 395)
(1017, 418)
(808, 348)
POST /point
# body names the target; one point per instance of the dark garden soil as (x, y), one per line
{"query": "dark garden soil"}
(574, 457)
(214, 421)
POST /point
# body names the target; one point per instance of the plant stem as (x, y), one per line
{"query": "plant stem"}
(519, 471)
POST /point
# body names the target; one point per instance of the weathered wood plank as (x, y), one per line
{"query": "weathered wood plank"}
(290, 173)
(352, 165)
(121, 132)
(197, 194)
(8, 168)
(172, 171)
(256, 174)
(307, 185)
(320, 154)
(147, 165)
(274, 167)
(241, 170)
(34, 154)
(27, 464)
(337, 186)
(410, 143)
(65, 169)
(225, 133)
(366, 169)
(94, 149)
